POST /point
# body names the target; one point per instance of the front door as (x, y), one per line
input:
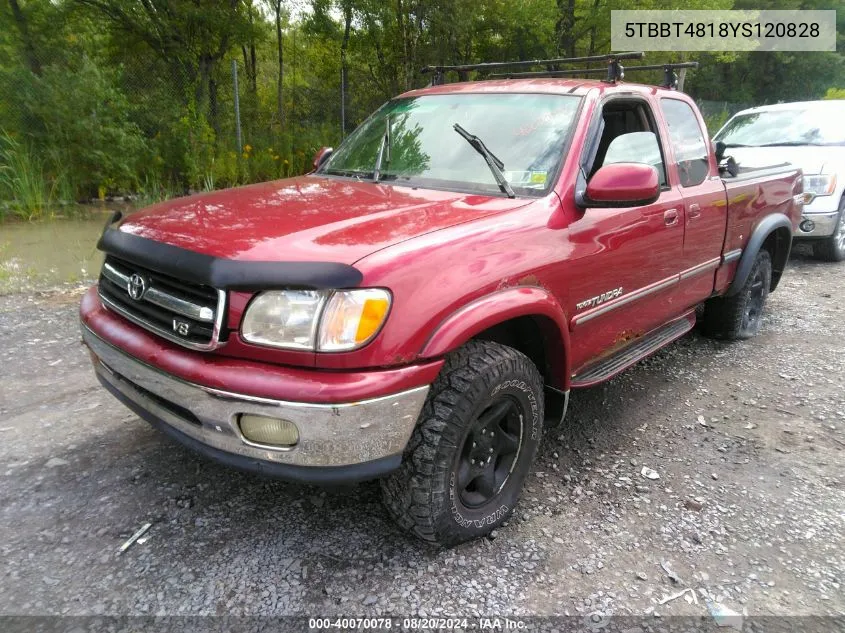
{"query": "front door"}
(622, 270)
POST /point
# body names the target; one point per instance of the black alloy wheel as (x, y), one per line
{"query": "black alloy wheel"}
(756, 300)
(490, 452)
(472, 448)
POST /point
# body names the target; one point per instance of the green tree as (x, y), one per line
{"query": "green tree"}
(189, 36)
(107, 96)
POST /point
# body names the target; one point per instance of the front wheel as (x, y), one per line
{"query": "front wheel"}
(832, 249)
(469, 455)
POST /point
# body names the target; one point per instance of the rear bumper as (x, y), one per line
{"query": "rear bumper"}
(340, 442)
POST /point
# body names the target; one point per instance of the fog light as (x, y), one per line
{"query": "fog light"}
(807, 226)
(269, 431)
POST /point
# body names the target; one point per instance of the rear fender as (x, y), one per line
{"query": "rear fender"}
(499, 307)
(777, 222)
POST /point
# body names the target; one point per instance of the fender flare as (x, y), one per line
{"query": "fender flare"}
(764, 229)
(503, 305)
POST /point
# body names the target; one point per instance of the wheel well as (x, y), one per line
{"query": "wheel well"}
(778, 244)
(536, 337)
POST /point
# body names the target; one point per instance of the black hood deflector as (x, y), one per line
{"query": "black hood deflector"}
(225, 274)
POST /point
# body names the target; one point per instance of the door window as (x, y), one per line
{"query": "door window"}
(629, 136)
(688, 144)
(636, 147)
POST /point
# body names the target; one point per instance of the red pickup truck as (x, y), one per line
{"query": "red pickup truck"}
(419, 307)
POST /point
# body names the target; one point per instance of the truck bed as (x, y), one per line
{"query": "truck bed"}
(758, 193)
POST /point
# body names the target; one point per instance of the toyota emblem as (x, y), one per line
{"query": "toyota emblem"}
(136, 286)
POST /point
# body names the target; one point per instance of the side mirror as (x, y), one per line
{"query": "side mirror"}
(720, 151)
(322, 156)
(729, 165)
(622, 185)
(726, 164)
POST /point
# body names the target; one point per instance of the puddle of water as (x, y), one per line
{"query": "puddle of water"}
(42, 254)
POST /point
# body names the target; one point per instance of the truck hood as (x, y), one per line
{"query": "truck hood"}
(811, 159)
(309, 218)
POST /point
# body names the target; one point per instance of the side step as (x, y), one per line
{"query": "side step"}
(644, 346)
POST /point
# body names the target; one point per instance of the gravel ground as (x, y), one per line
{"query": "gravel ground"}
(747, 512)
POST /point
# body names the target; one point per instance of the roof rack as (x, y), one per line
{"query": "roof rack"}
(615, 70)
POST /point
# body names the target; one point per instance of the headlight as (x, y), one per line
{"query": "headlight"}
(315, 320)
(820, 184)
(283, 319)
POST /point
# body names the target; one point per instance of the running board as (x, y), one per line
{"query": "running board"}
(644, 346)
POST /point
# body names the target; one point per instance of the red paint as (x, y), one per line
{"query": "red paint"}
(309, 218)
(501, 306)
(624, 182)
(458, 263)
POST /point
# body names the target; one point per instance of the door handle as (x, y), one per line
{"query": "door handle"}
(670, 217)
(694, 211)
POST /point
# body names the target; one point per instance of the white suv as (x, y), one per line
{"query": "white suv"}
(810, 135)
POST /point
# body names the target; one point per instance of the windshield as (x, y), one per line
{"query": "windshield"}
(419, 144)
(800, 126)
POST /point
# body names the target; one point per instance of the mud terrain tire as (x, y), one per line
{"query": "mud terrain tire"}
(740, 316)
(832, 249)
(473, 446)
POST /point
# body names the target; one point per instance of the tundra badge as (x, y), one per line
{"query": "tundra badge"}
(598, 300)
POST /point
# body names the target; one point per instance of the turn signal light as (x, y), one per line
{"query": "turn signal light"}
(804, 198)
(352, 318)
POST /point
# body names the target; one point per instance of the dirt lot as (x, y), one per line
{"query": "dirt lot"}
(749, 509)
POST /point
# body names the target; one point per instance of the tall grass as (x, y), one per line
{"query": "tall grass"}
(208, 181)
(22, 180)
(153, 189)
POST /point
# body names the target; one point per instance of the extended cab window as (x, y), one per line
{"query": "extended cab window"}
(526, 132)
(628, 136)
(688, 144)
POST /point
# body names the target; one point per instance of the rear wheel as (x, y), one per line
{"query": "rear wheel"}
(740, 316)
(473, 447)
(832, 249)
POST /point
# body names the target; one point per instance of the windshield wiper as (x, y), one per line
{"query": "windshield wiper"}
(790, 144)
(496, 166)
(383, 150)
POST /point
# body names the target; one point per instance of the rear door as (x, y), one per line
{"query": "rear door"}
(693, 171)
(622, 271)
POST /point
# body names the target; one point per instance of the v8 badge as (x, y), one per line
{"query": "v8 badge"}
(181, 327)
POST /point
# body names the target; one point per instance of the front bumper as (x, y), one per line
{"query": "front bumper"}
(823, 224)
(337, 442)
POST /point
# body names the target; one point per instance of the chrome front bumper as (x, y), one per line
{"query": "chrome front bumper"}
(330, 435)
(824, 224)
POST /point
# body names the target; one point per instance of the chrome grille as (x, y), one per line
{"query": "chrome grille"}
(182, 312)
